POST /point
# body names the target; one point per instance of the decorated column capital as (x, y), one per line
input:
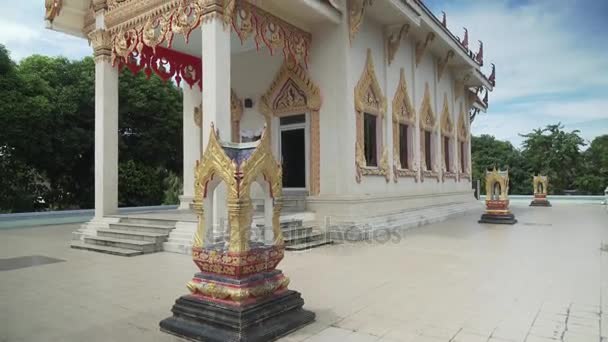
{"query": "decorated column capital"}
(100, 5)
(101, 41)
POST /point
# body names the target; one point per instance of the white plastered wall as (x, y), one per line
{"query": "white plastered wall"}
(340, 193)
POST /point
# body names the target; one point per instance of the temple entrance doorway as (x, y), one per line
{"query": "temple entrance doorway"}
(293, 147)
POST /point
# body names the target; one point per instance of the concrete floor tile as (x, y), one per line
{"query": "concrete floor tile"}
(442, 278)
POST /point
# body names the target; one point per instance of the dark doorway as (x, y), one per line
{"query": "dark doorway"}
(293, 152)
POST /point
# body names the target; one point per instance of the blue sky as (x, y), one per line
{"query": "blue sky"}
(551, 57)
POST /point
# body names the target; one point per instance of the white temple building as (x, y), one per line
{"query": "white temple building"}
(368, 103)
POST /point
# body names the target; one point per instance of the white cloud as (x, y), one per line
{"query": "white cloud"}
(535, 50)
(23, 32)
(548, 69)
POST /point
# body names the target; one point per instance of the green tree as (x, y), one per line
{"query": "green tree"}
(556, 153)
(593, 174)
(47, 112)
(487, 152)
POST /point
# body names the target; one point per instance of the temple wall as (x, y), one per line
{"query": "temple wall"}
(340, 194)
(251, 75)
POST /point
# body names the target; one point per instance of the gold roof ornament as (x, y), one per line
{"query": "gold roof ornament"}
(52, 9)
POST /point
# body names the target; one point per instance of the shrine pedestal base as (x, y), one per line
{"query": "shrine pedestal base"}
(498, 218)
(197, 319)
(540, 201)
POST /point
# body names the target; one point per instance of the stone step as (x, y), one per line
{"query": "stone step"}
(300, 239)
(147, 221)
(105, 249)
(295, 231)
(308, 245)
(142, 246)
(146, 228)
(133, 235)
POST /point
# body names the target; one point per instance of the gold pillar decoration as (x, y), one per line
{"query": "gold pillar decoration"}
(292, 92)
(356, 12)
(421, 46)
(442, 64)
(52, 9)
(427, 123)
(403, 113)
(393, 41)
(369, 99)
(238, 166)
(101, 41)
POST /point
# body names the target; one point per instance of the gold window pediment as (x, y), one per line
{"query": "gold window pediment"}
(427, 116)
(403, 111)
(447, 126)
(462, 126)
(291, 92)
(368, 94)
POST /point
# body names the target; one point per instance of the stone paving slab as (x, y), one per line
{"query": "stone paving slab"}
(544, 279)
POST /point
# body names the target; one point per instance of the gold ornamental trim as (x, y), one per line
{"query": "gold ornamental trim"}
(403, 112)
(463, 131)
(442, 64)
(447, 125)
(293, 92)
(356, 12)
(236, 294)
(497, 180)
(422, 46)
(369, 99)
(393, 41)
(216, 165)
(52, 9)
(427, 116)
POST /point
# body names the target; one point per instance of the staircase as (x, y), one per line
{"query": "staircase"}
(294, 200)
(129, 237)
(299, 236)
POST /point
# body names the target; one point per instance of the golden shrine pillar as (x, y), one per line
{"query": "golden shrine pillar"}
(497, 198)
(238, 295)
(540, 184)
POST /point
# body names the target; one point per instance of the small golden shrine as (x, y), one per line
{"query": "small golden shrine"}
(540, 184)
(238, 279)
(497, 198)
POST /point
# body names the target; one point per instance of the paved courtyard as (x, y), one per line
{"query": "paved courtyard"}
(544, 279)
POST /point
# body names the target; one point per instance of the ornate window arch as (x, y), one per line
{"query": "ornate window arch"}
(293, 92)
(403, 113)
(463, 144)
(447, 136)
(428, 125)
(369, 100)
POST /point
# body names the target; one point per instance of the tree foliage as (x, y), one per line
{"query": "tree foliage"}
(47, 139)
(548, 151)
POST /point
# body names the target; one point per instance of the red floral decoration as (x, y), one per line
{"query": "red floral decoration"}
(166, 64)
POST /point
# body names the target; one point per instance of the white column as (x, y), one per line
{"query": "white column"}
(216, 96)
(192, 142)
(106, 138)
